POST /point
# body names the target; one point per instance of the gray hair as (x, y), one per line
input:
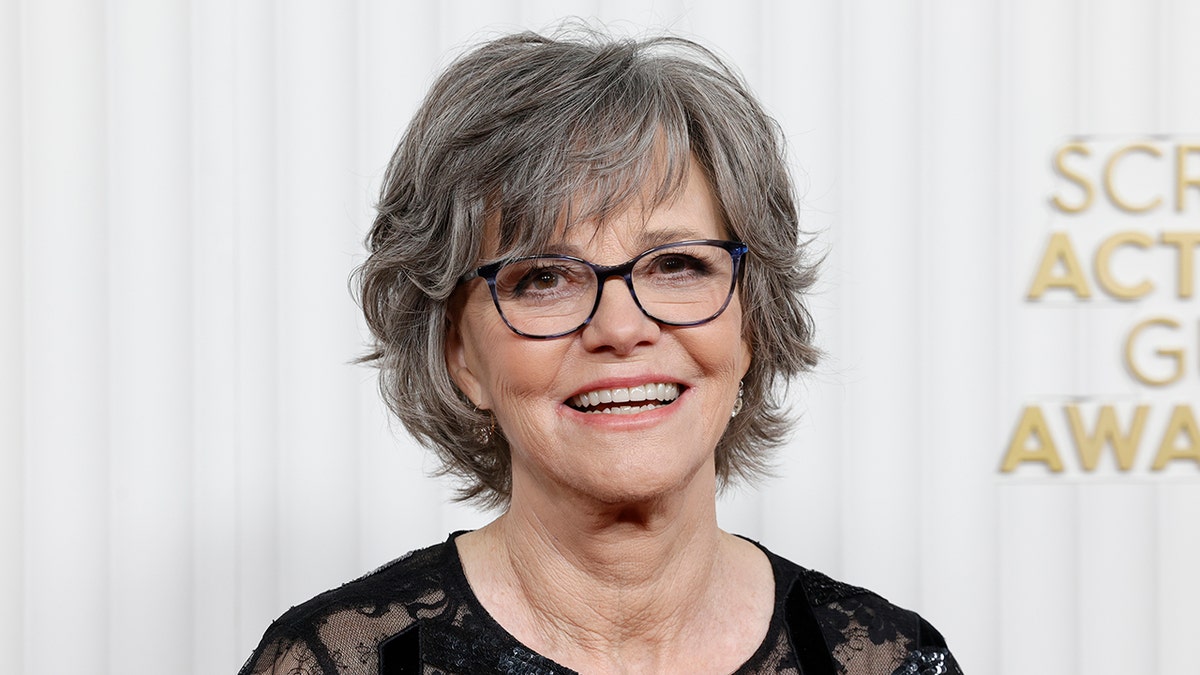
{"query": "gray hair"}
(529, 132)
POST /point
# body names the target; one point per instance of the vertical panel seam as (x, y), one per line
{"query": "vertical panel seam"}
(923, 112)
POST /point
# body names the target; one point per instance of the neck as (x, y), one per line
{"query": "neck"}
(609, 587)
(626, 544)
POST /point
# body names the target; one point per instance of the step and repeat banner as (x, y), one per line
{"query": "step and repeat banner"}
(1003, 433)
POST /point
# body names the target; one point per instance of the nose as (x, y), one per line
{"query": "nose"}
(619, 325)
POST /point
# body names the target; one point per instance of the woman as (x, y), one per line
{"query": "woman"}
(584, 283)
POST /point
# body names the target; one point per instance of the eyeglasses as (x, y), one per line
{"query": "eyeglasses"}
(685, 283)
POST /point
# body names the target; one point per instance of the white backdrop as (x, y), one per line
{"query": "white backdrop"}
(185, 451)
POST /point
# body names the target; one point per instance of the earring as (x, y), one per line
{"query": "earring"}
(485, 434)
(737, 405)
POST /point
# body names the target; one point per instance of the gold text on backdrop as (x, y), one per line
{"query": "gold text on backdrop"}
(1136, 193)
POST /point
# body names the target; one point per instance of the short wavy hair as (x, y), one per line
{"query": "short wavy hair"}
(530, 132)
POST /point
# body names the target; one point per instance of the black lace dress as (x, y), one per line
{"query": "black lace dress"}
(418, 615)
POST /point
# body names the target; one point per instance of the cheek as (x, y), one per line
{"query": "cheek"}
(512, 371)
(745, 355)
(744, 333)
(471, 353)
(738, 336)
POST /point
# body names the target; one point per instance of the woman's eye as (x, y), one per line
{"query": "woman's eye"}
(677, 263)
(542, 280)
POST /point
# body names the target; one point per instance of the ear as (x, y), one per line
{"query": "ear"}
(460, 356)
(747, 355)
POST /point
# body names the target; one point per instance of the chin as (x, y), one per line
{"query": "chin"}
(646, 481)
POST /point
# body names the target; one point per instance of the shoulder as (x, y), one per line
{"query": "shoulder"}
(340, 630)
(861, 630)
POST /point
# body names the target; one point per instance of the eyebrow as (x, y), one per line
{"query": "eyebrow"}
(647, 239)
(652, 238)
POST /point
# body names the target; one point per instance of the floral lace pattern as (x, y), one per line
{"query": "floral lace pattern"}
(341, 632)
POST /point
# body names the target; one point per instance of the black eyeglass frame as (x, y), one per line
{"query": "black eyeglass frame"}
(736, 249)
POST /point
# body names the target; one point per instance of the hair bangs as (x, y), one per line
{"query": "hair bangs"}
(625, 147)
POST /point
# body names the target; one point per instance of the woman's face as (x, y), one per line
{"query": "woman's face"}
(532, 386)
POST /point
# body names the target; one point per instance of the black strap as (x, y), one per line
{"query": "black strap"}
(401, 653)
(807, 639)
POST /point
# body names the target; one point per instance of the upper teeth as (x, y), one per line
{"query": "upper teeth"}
(642, 392)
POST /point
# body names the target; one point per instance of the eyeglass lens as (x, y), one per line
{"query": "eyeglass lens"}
(677, 284)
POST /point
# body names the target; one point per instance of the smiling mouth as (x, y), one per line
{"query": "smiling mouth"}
(626, 400)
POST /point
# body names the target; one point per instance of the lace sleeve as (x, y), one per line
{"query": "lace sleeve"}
(283, 657)
(868, 635)
(314, 640)
(931, 656)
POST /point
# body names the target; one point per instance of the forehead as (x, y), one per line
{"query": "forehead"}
(691, 212)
